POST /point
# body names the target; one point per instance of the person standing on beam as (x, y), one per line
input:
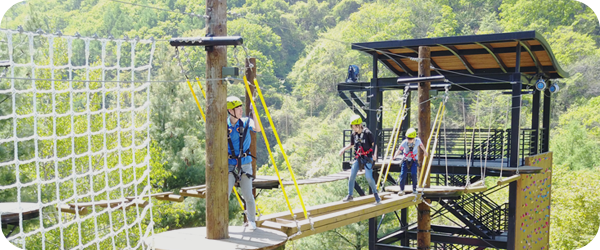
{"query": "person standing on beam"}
(364, 146)
(240, 159)
(410, 148)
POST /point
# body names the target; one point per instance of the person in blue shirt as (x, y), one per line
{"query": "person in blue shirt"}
(240, 160)
(409, 148)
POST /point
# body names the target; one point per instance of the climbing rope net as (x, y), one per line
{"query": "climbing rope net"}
(74, 137)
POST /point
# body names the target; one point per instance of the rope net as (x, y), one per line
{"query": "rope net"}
(74, 133)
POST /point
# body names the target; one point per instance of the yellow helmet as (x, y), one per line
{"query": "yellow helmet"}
(355, 120)
(233, 102)
(411, 133)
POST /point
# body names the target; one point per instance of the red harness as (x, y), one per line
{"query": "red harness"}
(360, 152)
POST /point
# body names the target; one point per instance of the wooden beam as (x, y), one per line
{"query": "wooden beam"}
(193, 193)
(217, 202)
(171, 197)
(352, 215)
(490, 49)
(424, 125)
(509, 179)
(73, 210)
(321, 209)
(475, 189)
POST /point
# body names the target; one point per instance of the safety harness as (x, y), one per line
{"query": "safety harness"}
(243, 132)
(361, 154)
(410, 155)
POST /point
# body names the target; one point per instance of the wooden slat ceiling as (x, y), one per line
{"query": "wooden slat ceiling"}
(478, 54)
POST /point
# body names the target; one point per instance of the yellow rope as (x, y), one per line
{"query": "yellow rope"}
(393, 138)
(201, 89)
(267, 144)
(204, 118)
(262, 100)
(427, 148)
(196, 98)
(434, 144)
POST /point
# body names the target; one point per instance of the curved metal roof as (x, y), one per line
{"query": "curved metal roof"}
(475, 54)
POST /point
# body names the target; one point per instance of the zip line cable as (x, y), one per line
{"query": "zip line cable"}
(200, 16)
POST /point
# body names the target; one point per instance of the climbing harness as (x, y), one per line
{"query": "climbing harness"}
(243, 134)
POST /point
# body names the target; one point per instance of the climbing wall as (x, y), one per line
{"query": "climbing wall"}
(533, 205)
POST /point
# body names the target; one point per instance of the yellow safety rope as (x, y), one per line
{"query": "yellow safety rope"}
(196, 98)
(434, 146)
(262, 100)
(428, 144)
(201, 89)
(267, 144)
(204, 118)
(394, 139)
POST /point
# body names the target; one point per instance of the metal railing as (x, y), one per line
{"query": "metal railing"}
(491, 145)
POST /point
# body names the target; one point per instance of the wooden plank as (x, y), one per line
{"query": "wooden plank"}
(150, 195)
(101, 203)
(351, 212)
(346, 217)
(475, 189)
(271, 225)
(509, 179)
(192, 193)
(133, 203)
(321, 209)
(171, 197)
(478, 183)
(72, 210)
(194, 187)
(195, 238)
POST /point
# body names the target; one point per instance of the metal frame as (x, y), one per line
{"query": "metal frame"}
(514, 79)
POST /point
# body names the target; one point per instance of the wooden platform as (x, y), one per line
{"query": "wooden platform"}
(195, 238)
(336, 214)
(262, 182)
(323, 179)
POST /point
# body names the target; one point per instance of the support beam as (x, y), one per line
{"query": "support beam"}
(399, 62)
(546, 120)
(250, 75)
(375, 99)
(514, 153)
(533, 56)
(217, 202)
(357, 99)
(515, 115)
(459, 56)
(423, 213)
(535, 122)
(490, 50)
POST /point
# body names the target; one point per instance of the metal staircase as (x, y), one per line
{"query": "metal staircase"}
(483, 217)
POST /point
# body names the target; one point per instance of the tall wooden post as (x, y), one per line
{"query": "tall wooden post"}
(423, 216)
(217, 207)
(250, 75)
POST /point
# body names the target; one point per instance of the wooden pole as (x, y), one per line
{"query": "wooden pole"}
(217, 202)
(424, 126)
(250, 75)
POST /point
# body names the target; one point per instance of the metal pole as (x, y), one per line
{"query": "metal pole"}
(514, 148)
(546, 120)
(535, 123)
(374, 99)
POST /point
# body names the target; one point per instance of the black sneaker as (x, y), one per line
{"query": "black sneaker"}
(348, 198)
